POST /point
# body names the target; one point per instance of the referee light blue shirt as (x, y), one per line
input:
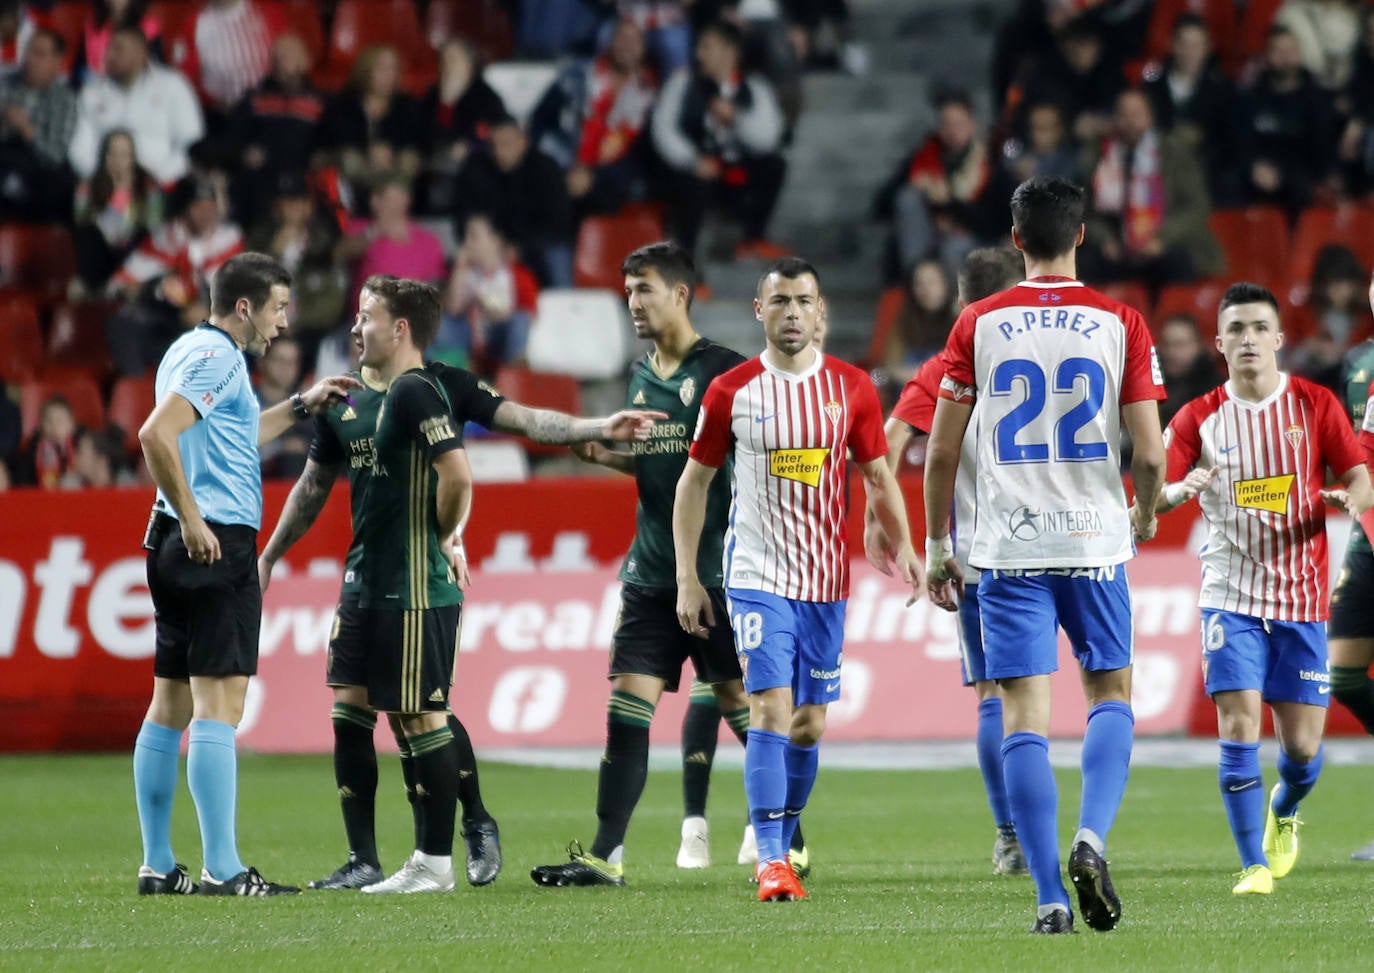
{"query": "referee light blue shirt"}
(219, 452)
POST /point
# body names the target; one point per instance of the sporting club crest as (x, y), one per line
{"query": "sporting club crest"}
(688, 391)
(1294, 435)
(833, 409)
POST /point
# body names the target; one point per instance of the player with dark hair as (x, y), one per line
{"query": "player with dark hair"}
(344, 443)
(648, 648)
(1056, 368)
(1256, 452)
(787, 417)
(201, 446)
(985, 272)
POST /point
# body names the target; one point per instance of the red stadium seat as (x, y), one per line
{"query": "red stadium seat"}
(889, 305)
(1319, 226)
(303, 18)
(480, 22)
(80, 391)
(362, 23)
(21, 340)
(1130, 293)
(39, 259)
(540, 390)
(77, 336)
(1220, 16)
(603, 241)
(131, 401)
(1250, 32)
(1200, 300)
(67, 18)
(1255, 241)
(172, 17)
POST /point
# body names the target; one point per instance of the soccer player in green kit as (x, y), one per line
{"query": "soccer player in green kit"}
(649, 647)
(344, 442)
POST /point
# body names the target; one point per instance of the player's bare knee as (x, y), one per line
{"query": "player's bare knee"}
(1113, 685)
(771, 710)
(730, 695)
(171, 705)
(415, 724)
(351, 695)
(808, 725)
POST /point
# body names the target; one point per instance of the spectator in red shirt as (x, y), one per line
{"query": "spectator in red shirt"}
(591, 119)
(48, 454)
(489, 300)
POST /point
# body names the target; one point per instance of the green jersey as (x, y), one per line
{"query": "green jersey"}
(1356, 372)
(404, 566)
(344, 435)
(659, 462)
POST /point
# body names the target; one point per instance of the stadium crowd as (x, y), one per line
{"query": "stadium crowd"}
(142, 144)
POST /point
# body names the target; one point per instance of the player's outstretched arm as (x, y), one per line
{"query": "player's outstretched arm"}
(944, 579)
(555, 428)
(689, 516)
(885, 500)
(158, 437)
(321, 396)
(1148, 464)
(303, 505)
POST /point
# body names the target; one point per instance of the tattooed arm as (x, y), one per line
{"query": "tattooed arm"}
(303, 505)
(560, 429)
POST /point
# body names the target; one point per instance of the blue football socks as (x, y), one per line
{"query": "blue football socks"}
(157, 752)
(1295, 782)
(990, 758)
(212, 771)
(1034, 799)
(1242, 793)
(765, 786)
(801, 764)
(1107, 743)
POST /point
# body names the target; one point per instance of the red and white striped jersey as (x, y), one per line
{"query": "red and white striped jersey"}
(1265, 554)
(789, 502)
(1051, 363)
(916, 407)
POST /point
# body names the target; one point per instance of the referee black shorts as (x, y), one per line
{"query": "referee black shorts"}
(1351, 617)
(207, 615)
(648, 640)
(410, 656)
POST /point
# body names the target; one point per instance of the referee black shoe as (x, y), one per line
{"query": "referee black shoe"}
(483, 841)
(175, 882)
(1098, 902)
(352, 874)
(1057, 923)
(245, 883)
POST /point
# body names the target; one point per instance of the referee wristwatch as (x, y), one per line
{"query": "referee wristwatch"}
(298, 408)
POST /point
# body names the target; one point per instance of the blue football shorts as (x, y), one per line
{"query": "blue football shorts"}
(971, 658)
(1285, 661)
(1023, 610)
(782, 642)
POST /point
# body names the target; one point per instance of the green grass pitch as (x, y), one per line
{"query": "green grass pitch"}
(901, 881)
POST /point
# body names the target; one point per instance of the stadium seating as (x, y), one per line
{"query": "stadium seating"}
(68, 18)
(79, 390)
(361, 23)
(77, 336)
(1319, 226)
(38, 259)
(1200, 300)
(540, 390)
(1254, 24)
(303, 18)
(1129, 292)
(580, 332)
(889, 305)
(131, 401)
(603, 241)
(172, 17)
(1220, 16)
(480, 22)
(1255, 241)
(21, 340)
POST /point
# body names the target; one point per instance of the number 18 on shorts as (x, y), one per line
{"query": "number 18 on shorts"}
(781, 642)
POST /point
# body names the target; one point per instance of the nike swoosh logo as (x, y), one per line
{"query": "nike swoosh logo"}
(775, 815)
(1229, 449)
(1323, 690)
(830, 687)
(772, 415)
(1243, 787)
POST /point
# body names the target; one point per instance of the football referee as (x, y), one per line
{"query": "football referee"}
(201, 447)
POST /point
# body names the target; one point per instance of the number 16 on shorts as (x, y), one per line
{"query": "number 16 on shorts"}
(781, 642)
